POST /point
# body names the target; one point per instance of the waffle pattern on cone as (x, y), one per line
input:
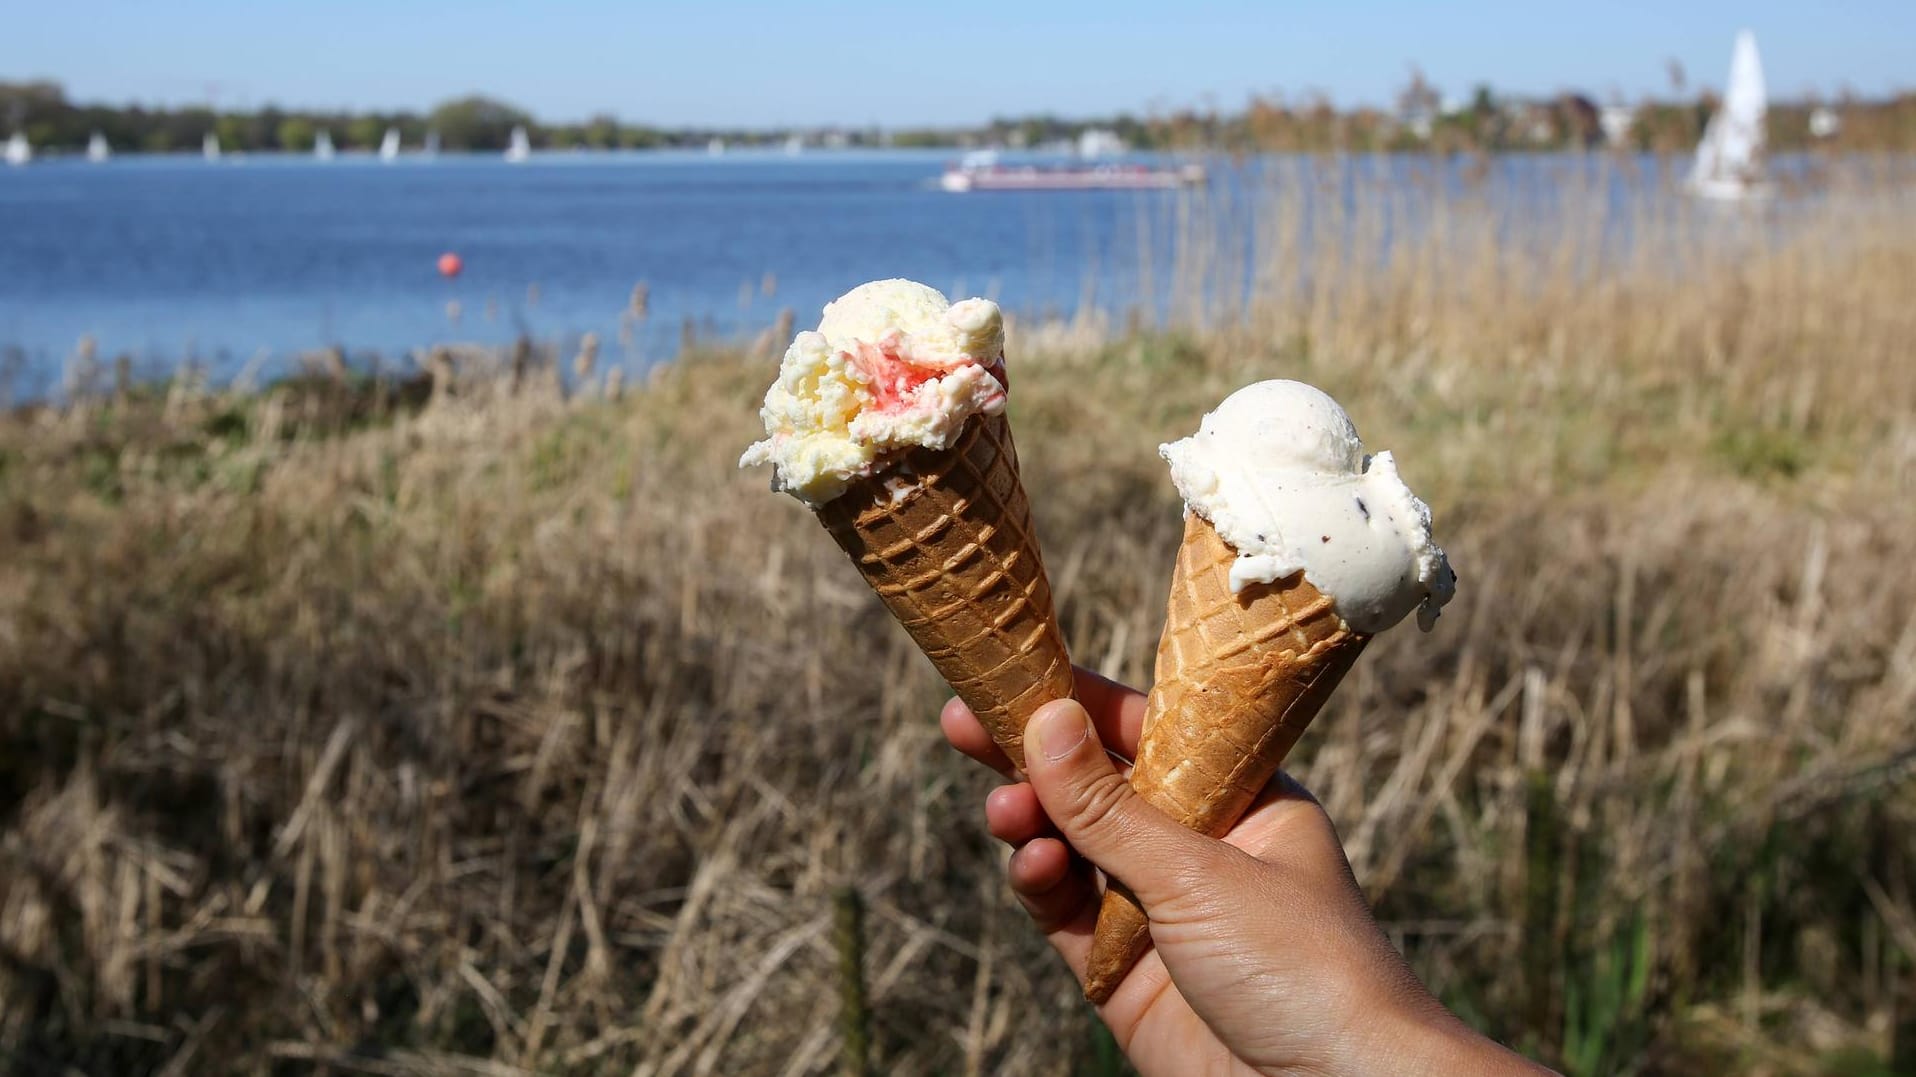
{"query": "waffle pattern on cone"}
(945, 539)
(1239, 677)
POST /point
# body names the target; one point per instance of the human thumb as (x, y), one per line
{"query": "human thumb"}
(1099, 813)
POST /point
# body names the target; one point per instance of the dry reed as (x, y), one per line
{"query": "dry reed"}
(516, 733)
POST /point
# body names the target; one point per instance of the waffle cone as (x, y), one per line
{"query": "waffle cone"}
(1239, 677)
(945, 539)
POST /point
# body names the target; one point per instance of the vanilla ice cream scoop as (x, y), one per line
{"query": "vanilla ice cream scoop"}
(892, 366)
(1279, 471)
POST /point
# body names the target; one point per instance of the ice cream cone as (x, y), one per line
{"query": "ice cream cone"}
(1240, 674)
(945, 539)
(888, 421)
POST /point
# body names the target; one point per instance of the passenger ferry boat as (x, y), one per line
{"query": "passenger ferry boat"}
(983, 172)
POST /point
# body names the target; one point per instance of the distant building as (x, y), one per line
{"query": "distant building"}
(1096, 142)
(1616, 121)
(1579, 119)
(1569, 119)
(1419, 105)
(1534, 122)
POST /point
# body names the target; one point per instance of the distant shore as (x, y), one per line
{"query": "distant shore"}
(1484, 121)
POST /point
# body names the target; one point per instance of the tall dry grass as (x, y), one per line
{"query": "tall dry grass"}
(517, 731)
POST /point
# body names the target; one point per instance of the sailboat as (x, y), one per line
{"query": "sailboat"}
(432, 144)
(97, 149)
(323, 145)
(521, 147)
(1729, 160)
(389, 146)
(18, 150)
(210, 146)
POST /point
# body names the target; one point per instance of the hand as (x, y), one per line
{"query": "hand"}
(1267, 959)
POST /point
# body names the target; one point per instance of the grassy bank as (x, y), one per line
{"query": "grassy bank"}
(507, 729)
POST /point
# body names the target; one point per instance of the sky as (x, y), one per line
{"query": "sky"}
(902, 63)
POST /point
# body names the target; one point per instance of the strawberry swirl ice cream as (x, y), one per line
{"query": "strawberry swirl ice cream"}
(892, 366)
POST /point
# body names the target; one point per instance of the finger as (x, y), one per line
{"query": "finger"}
(967, 734)
(1280, 797)
(1057, 890)
(1099, 814)
(1285, 822)
(1038, 867)
(1014, 816)
(1117, 710)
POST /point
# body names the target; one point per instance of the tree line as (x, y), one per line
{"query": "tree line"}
(1485, 122)
(42, 112)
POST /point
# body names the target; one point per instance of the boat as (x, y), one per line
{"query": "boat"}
(794, 145)
(323, 145)
(18, 150)
(432, 144)
(520, 148)
(983, 172)
(389, 146)
(715, 147)
(210, 146)
(1729, 160)
(97, 149)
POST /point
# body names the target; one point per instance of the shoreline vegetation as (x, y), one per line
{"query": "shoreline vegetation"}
(491, 720)
(1420, 119)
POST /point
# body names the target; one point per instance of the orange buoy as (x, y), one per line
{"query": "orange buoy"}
(450, 264)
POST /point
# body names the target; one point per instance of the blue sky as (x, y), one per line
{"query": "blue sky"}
(904, 62)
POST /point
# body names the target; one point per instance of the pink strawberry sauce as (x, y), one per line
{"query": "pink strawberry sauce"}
(894, 381)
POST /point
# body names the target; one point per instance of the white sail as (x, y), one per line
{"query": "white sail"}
(323, 145)
(210, 146)
(521, 147)
(389, 146)
(432, 144)
(1729, 160)
(97, 148)
(18, 150)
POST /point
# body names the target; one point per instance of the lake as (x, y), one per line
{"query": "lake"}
(255, 260)
(173, 257)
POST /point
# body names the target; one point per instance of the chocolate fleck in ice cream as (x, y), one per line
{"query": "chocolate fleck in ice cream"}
(1297, 549)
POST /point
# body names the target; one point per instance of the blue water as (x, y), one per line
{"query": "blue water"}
(250, 262)
(172, 258)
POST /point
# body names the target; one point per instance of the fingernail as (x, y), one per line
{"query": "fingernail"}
(1061, 729)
